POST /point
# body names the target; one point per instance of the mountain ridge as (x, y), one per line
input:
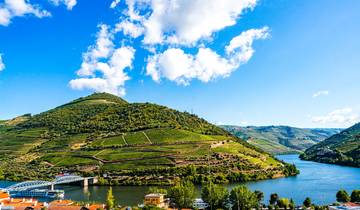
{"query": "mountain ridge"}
(281, 139)
(341, 149)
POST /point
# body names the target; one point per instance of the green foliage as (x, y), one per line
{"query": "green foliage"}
(215, 195)
(283, 203)
(242, 198)
(110, 200)
(274, 199)
(259, 195)
(292, 204)
(342, 148)
(355, 196)
(183, 194)
(342, 196)
(307, 202)
(106, 113)
(157, 190)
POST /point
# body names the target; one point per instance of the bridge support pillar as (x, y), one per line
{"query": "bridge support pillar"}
(85, 183)
(52, 187)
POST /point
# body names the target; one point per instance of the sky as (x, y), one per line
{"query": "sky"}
(250, 62)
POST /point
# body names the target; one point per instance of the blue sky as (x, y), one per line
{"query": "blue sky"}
(294, 62)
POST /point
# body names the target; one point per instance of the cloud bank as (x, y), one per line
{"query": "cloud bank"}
(20, 8)
(175, 65)
(176, 35)
(345, 116)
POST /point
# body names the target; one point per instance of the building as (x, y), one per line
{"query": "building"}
(156, 199)
(346, 206)
(21, 204)
(200, 204)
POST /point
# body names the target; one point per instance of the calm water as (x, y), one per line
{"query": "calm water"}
(316, 180)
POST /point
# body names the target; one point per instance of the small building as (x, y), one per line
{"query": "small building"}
(155, 199)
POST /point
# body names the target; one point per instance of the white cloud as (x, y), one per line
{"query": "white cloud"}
(17, 8)
(188, 21)
(104, 59)
(129, 28)
(321, 93)
(175, 65)
(68, 3)
(345, 116)
(114, 4)
(2, 65)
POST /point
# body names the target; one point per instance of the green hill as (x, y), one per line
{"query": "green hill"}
(342, 148)
(281, 139)
(132, 143)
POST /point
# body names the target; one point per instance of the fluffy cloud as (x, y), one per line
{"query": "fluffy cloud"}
(175, 65)
(321, 93)
(167, 29)
(17, 8)
(129, 28)
(186, 21)
(2, 65)
(344, 116)
(104, 59)
(68, 3)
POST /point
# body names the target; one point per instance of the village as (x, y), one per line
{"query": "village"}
(151, 201)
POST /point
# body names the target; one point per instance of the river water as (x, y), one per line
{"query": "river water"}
(318, 181)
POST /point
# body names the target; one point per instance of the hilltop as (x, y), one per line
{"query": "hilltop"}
(342, 148)
(281, 139)
(132, 143)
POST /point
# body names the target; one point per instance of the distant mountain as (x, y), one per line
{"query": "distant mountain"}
(281, 139)
(132, 143)
(342, 148)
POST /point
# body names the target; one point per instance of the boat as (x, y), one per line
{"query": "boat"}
(39, 193)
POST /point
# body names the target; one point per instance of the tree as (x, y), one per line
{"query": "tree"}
(283, 203)
(157, 190)
(242, 198)
(183, 194)
(307, 202)
(355, 196)
(110, 200)
(292, 204)
(259, 195)
(215, 195)
(274, 198)
(342, 196)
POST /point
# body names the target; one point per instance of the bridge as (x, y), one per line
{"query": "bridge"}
(59, 180)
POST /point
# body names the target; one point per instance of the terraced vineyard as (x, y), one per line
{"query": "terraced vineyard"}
(156, 145)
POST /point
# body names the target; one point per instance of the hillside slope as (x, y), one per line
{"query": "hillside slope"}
(132, 143)
(342, 148)
(281, 139)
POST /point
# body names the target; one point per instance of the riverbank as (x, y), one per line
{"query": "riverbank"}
(316, 180)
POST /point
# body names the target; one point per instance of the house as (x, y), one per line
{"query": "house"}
(155, 199)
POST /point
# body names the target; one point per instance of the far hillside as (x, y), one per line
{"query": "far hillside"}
(342, 148)
(281, 139)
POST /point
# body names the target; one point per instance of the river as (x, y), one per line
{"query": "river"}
(318, 181)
